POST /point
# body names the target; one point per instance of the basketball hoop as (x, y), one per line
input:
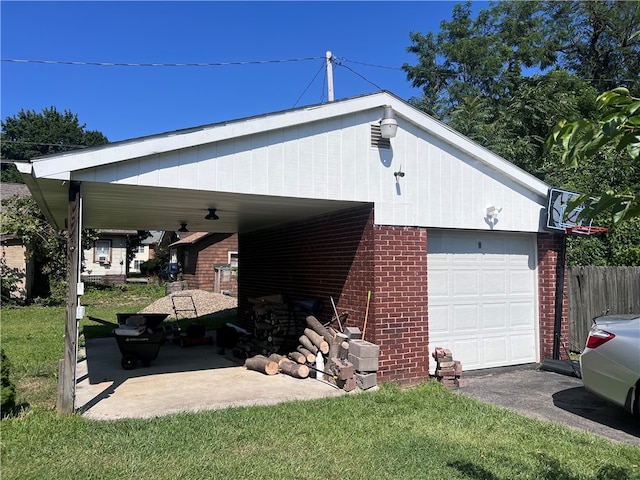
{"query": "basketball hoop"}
(585, 230)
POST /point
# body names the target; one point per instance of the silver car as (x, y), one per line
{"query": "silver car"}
(610, 363)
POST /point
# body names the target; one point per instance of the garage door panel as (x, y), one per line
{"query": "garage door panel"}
(465, 283)
(494, 316)
(486, 313)
(469, 352)
(521, 314)
(522, 347)
(439, 319)
(494, 282)
(521, 282)
(495, 350)
(439, 284)
(465, 318)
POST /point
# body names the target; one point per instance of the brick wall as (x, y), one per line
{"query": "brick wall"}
(324, 257)
(400, 317)
(343, 256)
(204, 255)
(549, 248)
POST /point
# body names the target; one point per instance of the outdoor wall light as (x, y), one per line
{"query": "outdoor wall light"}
(183, 228)
(388, 124)
(212, 215)
(492, 213)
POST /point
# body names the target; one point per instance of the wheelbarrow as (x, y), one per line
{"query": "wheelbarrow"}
(138, 337)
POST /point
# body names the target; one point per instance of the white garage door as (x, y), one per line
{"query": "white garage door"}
(483, 297)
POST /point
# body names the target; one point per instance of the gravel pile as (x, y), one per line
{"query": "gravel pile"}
(205, 302)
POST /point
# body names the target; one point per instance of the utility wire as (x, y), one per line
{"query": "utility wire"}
(322, 67)
(359, 75)
(113, 64)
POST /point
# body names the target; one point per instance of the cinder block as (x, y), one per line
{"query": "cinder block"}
(353, 333)
(369, 364)
(363, 349)
(366, 380)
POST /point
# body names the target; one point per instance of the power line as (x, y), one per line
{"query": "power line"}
(118, 64)
(322, 67)
(43, 144)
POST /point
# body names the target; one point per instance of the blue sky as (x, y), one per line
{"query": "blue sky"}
(128, 101)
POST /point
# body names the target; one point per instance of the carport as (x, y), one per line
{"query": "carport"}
(324, 206)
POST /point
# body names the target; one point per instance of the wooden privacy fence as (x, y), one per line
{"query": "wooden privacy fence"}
(594, 291)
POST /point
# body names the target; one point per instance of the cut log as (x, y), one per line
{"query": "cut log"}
(311, 357)
(317, 327)
(343, 351)
(317, 340)
(294, 369)
(298, 357)
(275, 357)
(261, 364)
(306, 343)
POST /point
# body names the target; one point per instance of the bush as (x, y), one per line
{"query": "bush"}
(7, 388)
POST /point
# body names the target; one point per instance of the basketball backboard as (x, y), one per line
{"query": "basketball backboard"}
(558, 218)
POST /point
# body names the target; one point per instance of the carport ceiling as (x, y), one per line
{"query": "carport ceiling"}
(131, 207)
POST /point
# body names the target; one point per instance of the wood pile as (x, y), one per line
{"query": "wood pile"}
(277, 325)
(448, 371)
(322, 352)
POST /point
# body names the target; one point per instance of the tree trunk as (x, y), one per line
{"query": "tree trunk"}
(262, 364)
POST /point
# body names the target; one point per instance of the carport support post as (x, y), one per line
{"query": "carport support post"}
(67, 366)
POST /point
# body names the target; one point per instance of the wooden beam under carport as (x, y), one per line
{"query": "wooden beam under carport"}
(67, 366)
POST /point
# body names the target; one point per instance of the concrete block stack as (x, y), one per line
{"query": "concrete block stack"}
(448, 370)
(364, 357)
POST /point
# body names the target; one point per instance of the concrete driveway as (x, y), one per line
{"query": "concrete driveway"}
(179, 380)
(552, 397)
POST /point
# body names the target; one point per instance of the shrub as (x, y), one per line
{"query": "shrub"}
(7, 388)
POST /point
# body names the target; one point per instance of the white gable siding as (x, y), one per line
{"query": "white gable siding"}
(332, 159)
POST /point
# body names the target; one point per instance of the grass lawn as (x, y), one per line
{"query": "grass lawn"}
(422, 432)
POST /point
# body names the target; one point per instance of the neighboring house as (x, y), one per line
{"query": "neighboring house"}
(208, 261)
(448, 237)
(14, 252)
(105, 262)
(147, 249)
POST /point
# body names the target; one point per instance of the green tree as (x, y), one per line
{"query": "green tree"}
(615, 133)
(29, 134)
(46, 247)
(508, 75)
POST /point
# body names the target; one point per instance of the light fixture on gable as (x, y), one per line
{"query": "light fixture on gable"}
(212, 215)
(492, 213)
(183, 228)
(388, 124)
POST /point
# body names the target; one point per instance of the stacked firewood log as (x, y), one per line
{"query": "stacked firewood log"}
(321, 352)
(277, 324)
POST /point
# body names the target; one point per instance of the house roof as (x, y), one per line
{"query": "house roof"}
(264, 170)
(192, 238)
(8, 190)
